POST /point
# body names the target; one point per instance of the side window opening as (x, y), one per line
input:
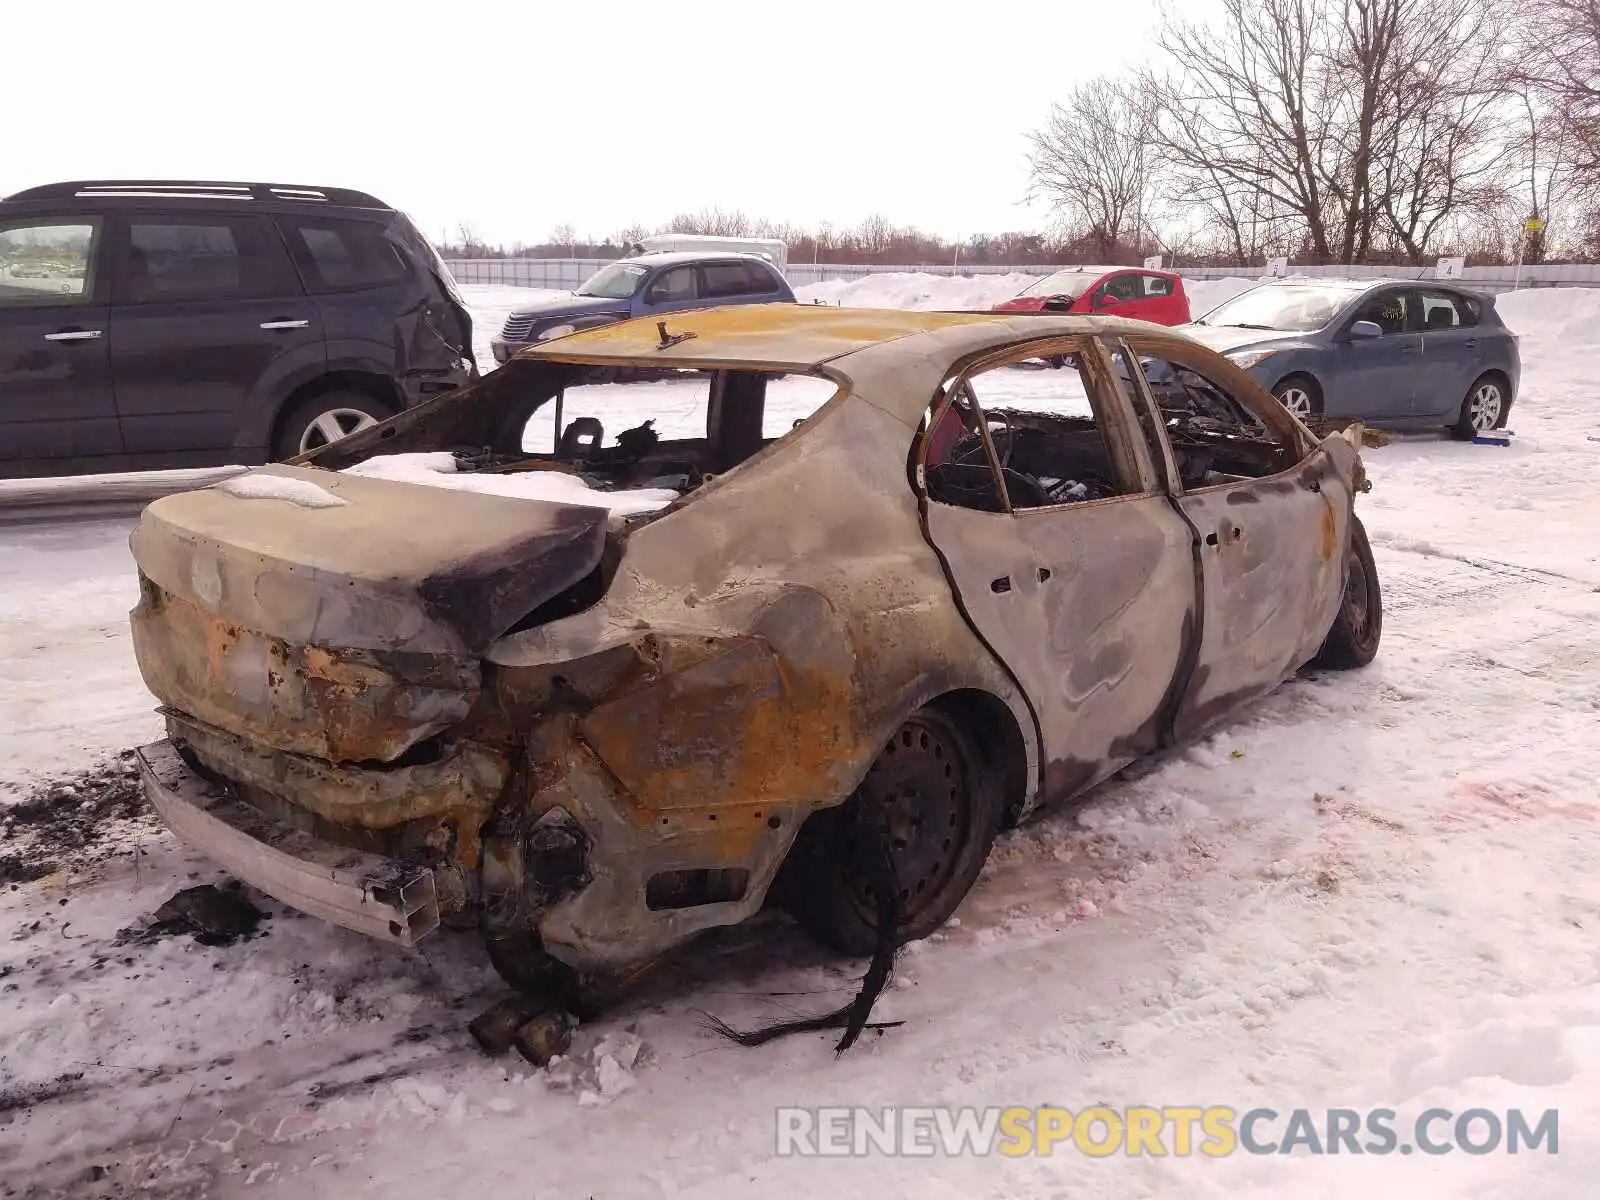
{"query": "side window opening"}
(1216, 439)
(1388, 310)
(1123, 287)
(674, 285)
(1441, 310)
(724, 279)
(44, 263)
(205, 258)
(761, 279)
(1034, 430)
(346, 256)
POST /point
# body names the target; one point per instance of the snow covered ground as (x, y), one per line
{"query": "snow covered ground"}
(1374, 889)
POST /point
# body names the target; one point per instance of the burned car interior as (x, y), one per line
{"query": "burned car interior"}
(1049, 458)
(639, 456)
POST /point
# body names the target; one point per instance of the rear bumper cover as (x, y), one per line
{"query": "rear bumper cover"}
(381, 897)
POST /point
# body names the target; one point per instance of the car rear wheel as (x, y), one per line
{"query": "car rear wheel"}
(326, 418)
(936, 802)
(1484, 408)
(1300, 395)
(1353, 640)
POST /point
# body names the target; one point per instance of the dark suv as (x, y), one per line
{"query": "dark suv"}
(151, 324)
(663, 282)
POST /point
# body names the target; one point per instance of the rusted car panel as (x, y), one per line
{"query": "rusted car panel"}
(1272, 571)
(363, 892)
(849, 628)
(327, 702)
(602, 780)
(1098, 637)
(349, 631)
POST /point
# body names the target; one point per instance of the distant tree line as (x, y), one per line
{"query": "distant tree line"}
(1327, 131)
(1343, 131)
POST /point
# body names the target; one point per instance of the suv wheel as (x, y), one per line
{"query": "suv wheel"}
(325, 418)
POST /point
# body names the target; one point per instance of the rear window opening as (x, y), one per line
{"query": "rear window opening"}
(633, 445)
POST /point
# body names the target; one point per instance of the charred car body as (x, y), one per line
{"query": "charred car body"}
(595, 735)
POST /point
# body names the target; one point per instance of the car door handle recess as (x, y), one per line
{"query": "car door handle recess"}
(73, 335)
(1003, 584)
(284, 324)
(1227, 534)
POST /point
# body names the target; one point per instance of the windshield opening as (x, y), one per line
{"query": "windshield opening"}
(1062, 283)
(1289, 307)
(616, 282)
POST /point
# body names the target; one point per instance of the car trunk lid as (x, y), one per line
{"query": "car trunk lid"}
(337, 615)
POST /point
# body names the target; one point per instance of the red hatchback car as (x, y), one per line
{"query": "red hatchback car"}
(1155, 296)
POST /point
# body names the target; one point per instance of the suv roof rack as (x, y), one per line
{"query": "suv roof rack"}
(185, 189)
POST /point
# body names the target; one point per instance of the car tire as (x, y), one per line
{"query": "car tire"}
(1300, 395)
(1485, 406)
(1353, 640)
(310, 423)
(944, 802)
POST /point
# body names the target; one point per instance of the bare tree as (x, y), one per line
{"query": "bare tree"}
(631, 235)
(1242, 117)
(1558, 58)
(875, 234)
(1547, 182)
(714, 221)
(1090, 162)
(1343, 123)
(564, 235)
(1442, 132)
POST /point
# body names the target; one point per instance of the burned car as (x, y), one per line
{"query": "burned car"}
(906, 620)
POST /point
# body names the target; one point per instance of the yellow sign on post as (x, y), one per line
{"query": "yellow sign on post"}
(1533, 224)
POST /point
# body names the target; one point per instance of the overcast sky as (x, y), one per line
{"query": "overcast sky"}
(516, 117)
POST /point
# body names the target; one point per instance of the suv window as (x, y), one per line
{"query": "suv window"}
(48, 262)
(675, 284)
(732, 279)
(345, 256)
(166, 260)
(1441, 310)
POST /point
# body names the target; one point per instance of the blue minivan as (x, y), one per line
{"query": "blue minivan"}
(646, 285)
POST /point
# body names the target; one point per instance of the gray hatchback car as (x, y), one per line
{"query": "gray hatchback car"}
(1387, 352)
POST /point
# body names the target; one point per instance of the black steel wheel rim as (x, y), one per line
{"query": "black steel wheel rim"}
(1357, 602)
(919, 803)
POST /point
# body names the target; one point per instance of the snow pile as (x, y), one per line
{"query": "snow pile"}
(438, 469)
(301, 492)
(601, 1073)
(920, 291)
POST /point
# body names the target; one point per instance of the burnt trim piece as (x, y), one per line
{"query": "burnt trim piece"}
(381, 897)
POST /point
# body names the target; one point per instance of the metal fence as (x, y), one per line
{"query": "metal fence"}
(567, 273)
